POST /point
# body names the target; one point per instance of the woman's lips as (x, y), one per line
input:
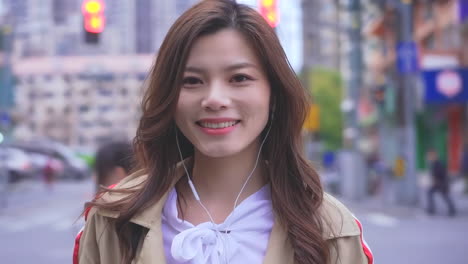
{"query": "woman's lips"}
(217, 126)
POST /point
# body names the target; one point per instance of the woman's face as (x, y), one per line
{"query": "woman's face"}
(224, 101)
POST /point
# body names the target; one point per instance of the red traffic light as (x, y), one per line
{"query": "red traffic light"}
(93, 14)
(269, 10)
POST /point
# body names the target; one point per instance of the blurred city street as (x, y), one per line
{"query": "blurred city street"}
(388, 119)
(39, 225)
(409, 235)
(43, 222)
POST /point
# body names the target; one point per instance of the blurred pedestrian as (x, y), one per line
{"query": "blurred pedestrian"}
(464, 166)
(440, 183)
(222, 176)
(113, 162)
(49, 173)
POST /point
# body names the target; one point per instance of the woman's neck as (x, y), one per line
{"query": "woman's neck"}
(221, 179)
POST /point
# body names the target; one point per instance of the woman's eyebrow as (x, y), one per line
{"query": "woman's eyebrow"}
(232, 67)
(241, 65)
(194, 69)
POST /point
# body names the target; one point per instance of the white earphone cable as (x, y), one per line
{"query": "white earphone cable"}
(197, 197)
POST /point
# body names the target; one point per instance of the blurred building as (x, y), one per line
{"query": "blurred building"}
(54, 27)
(69, 100)
(322, 33)
(80, 93)
(76, 92)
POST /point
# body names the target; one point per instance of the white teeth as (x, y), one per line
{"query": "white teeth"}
(218, 125)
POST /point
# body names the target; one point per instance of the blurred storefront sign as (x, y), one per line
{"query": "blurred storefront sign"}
(463, 10)
(439, 60)
(446, 86)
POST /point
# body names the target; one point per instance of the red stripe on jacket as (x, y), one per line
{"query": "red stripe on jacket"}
(76, 248)
(367, 251)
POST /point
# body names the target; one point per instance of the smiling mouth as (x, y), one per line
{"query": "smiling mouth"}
(217, 125)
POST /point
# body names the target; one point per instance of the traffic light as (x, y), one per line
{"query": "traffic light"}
(269, 10)
(93, 19)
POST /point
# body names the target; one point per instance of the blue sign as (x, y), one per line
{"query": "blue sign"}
(463, 8)
(407, 57)
(446, 86)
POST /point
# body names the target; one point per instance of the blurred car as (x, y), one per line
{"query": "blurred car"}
(15, 163)
(72, 166)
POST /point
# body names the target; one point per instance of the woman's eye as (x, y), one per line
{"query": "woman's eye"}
(240, 78)
(191, 81)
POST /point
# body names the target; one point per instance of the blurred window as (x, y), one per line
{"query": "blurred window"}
(32, 95)
(62, 9)
(47, 94)
(67, 109)
(105, 108)
(85, 92)
(100, 139)
(82, 140)
(86, 124)
(67, 92)
(141, 76)
(105, 92)
(428, 11)
(48, 77)
(30, 79)
(124, 91)
(143, 27)
(84, 108)
(19, 8)
(106, 123)
(67, 78)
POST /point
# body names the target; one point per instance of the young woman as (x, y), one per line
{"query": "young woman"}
(222, 177)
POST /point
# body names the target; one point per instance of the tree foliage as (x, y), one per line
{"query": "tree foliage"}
(326, 89)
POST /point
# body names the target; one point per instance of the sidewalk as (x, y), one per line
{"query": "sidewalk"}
(377, 204)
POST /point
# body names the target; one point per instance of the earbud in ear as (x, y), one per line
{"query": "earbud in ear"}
(272, 111)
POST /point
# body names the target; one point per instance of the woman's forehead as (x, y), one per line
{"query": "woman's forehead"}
(226, 49)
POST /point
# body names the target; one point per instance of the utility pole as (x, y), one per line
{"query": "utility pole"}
(351, 160)
(408, 190)
(6, 79)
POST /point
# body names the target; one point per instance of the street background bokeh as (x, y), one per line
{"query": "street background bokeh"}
(388, 79)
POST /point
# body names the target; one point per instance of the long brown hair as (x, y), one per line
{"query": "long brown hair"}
(295, 186)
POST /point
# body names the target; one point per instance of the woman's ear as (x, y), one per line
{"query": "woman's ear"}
(273, 109)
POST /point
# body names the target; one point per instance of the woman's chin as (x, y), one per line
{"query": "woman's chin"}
(218, 151)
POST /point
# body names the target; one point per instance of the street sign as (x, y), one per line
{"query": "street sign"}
(5, 118)
(463, 10)
(407, 57)
(446, 86)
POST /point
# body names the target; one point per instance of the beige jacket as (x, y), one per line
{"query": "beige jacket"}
(99, 242)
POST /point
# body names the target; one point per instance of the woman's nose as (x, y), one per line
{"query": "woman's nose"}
(216, 98)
